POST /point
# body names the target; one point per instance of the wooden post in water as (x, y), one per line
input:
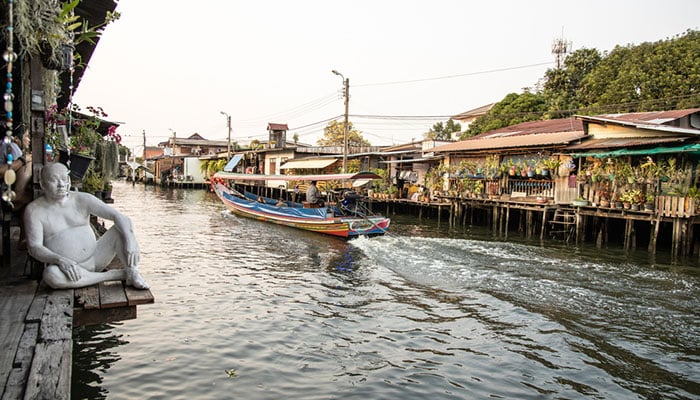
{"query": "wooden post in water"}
(507, 221)
(654, 235)
(544, 222)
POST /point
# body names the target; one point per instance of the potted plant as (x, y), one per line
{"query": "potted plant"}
(579, 202)
(649, 202)
(552, 164)
(92, 183)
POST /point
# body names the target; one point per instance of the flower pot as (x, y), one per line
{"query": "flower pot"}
(77, 164)
(634, 207)
(579, 203)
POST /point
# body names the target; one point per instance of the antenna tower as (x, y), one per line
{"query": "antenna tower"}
(560, 48)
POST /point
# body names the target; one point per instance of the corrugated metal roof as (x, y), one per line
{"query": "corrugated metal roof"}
(543, 139)
(615, 143)
(473, 113)
(653, 120)
(650, 117)
(535, 127)
(277, 127)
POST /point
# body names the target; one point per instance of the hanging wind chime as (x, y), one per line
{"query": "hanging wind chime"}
(9, 56)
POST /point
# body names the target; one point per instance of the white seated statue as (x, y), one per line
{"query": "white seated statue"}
(59, 233)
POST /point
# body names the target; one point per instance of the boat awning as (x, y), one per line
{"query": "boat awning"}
(233, 162)
(688, 149)
(306, 163)
(135, 166)
(320, 177)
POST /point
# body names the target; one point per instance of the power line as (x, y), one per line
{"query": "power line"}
(490, 71)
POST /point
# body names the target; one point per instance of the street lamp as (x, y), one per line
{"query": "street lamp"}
(346, 92)
(228, 142)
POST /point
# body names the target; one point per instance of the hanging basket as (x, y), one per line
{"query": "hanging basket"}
(78, 164)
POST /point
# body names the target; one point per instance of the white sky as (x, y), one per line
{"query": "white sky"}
(175, 64)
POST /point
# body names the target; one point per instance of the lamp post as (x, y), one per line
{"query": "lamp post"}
(346, 92)
(228, 142)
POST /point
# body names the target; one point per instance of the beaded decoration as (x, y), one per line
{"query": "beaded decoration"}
(10, 57)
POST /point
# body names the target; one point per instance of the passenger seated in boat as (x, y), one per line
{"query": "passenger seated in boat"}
(350, 199)
(59, 233)
(313, 195)
(281, 203)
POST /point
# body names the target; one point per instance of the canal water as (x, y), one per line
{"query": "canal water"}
(247, 310)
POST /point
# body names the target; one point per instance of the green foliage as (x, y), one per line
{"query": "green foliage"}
(650, 76)
(92, 181)
(210, 167)
(655, 76)
(513, 109)
(353, 166)
(334, 132)
(443, 132)
(563, 84)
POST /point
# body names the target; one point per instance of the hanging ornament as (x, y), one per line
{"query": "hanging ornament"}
(9, 56)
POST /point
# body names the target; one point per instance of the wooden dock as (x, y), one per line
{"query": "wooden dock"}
(36, 328)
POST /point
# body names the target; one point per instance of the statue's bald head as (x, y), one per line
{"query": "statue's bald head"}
(53, 169)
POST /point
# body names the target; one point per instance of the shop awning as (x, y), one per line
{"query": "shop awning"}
(310, 164)
(688, 149)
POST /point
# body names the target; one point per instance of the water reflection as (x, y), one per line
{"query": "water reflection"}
(95, 349)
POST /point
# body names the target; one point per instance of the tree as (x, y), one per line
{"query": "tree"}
(513, 109)
(562, 85)
(662, 75)
(647, 77)
(333, 135)
(443, 132)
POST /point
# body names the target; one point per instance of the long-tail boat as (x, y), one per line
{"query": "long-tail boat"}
(345, 214)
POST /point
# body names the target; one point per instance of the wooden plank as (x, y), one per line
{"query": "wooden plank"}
(50, 374)
(91, 317)
(22, 363)
(15, 301)
(88, 297)
(57, 319)
(37, 308)
(137, 296)
(112, 295)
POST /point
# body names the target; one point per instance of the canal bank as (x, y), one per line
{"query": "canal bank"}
(669, 225)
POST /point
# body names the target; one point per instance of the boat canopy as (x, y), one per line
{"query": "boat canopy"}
(321, 177)
(308, 163)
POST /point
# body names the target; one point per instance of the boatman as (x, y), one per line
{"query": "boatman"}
(59, 233)
(313, 195)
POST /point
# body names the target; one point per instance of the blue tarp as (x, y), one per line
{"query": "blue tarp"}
(233, 162)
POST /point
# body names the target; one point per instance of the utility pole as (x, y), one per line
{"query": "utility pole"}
(228, 142)
(346, 92)
(345, 125)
